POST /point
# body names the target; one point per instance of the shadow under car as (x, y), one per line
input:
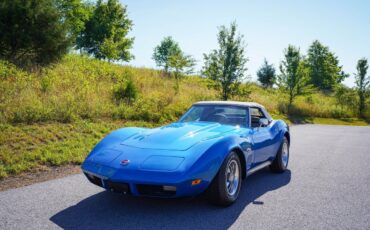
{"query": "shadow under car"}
(107, 210)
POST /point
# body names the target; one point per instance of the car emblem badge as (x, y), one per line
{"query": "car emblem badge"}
(125, 162)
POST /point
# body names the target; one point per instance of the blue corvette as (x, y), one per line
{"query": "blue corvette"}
(213, 146)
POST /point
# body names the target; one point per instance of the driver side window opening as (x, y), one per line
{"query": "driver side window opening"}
(256, 115)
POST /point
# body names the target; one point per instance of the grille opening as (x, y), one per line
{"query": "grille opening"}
(154, 190)
(119, 187)
(94, 179)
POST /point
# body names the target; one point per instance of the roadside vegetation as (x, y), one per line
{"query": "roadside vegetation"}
(61, 89)
(56, 116)
(39, 146)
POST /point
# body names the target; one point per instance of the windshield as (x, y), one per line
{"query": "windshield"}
(223, 114)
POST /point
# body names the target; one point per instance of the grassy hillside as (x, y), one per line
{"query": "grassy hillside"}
(56, 116)
(82, 88)
(38, 146)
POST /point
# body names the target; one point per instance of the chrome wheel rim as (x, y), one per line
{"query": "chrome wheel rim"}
(232, 177)
(285, 154)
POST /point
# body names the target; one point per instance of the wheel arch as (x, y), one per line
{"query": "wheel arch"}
(209, 163)
(243, 161)
(287, 135)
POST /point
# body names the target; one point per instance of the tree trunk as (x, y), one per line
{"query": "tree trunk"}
(291, 98)
(224, 94)
(361, 104)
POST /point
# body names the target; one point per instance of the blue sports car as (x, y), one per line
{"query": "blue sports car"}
(212, 147)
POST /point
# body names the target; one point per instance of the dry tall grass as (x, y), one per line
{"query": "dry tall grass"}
(82, 88)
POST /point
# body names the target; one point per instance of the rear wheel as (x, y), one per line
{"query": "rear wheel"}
(280, 163)
(225, 187)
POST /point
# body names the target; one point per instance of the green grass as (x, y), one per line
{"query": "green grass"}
(54, 117)
(34, 147)
(344, 121)
(321, 121)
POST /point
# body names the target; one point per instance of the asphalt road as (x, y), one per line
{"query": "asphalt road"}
(327, 187)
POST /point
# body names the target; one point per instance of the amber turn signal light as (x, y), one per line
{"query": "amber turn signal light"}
(195, 182)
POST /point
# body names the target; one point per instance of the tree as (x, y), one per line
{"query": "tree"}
(226, 65)
(180, 64)
(362, 83)
(294, 74)
(76, 13)
(325, 71)
(32, 32)
(266, 75)
(105, 33)
(345, 97)
(164, 50)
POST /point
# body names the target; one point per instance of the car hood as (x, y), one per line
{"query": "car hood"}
(177, 136)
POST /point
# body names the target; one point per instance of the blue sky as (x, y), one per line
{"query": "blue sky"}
(268, 27)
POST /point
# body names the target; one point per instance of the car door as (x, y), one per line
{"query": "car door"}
(261, 136)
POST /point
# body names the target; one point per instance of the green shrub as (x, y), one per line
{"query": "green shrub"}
(30, 114)
(64, 114)
(7, 69)
(3, 173)
(282, 107)
(126, 92)
(45, 84)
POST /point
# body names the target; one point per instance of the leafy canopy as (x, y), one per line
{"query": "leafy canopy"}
(162, 53)
(75, 13)
(226, 65)
(32, 32)
(325, 71)
(345, 97)
(294, 74)
(362, 83)
(266, 75)
(180, 64)
(105, 33)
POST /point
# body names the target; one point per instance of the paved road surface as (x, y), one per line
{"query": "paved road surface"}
(327, 187)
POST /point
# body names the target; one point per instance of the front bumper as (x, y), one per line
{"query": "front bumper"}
(143, 183)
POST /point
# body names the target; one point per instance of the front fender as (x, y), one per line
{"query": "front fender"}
(114, 138)
(283, 130)
(209, 163)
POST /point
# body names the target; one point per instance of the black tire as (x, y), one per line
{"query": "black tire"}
(218, 192)
(278, 164)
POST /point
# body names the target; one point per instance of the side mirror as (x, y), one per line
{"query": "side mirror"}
(264, 122)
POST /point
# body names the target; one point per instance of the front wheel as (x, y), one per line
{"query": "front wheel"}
(225, 187)
(280, 163)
